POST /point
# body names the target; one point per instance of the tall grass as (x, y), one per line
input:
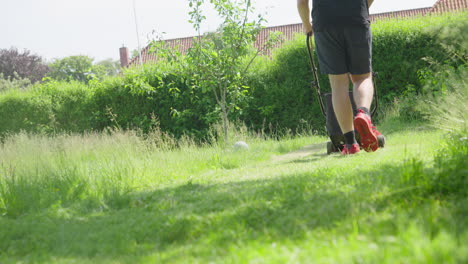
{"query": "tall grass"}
(121, 198)
(94, 171)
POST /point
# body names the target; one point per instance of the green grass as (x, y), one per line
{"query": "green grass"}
(118, 198)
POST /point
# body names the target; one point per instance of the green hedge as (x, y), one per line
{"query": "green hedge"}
(140, 99)
(153, 96)
(282, 93)
(281, 96)
(24, 111)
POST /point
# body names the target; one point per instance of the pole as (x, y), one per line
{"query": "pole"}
(137, 33)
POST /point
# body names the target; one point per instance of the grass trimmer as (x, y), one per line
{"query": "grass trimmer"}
(333, 128)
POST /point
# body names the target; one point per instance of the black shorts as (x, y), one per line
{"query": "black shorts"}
(345, 49)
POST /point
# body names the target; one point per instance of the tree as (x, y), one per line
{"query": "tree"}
(220, 60)
(73, 68)
(22, 65)
(107, 67)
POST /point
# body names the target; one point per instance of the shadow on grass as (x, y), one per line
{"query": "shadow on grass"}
(204, 218)
(310, 158)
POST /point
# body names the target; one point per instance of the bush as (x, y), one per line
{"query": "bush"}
(13, 83)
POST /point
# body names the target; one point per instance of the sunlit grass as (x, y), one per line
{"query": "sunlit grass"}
(118, 198)
(40, 171)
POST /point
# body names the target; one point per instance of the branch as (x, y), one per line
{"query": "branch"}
(243, 23)
(216, 96)
(271, 41)
(251, 61)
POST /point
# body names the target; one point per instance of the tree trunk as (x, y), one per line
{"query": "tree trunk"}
(225, 120)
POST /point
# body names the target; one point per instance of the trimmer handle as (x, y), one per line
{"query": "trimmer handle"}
(315, 82)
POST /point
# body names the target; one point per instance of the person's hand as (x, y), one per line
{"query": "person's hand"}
(307, 29)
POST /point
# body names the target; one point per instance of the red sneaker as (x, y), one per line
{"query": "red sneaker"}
(367, 131)
(353, 150)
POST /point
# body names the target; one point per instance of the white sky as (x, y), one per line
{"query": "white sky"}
(98, 28)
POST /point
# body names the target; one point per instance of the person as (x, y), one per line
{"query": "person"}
(343, 44)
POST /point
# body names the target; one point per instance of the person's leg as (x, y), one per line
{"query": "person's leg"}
(344, 111)
(341, 102)
(363, 90)
(363, 95)
(359, 55)
(359, 58)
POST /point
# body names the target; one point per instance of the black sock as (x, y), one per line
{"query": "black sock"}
(350, 139)
(365, 110)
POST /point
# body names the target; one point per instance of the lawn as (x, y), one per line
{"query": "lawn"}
(119, 198)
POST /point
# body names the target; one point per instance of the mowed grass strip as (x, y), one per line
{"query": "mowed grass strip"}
(118, 199)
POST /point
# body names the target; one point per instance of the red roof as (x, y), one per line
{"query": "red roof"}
(401, 14)
(181, 44)
(289, 31)
(443, 6)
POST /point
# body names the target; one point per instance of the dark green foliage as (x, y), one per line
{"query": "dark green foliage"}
(153, 96)
(399, 56)
(282, 93)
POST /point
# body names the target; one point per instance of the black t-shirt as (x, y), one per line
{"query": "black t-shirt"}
(327, 13)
